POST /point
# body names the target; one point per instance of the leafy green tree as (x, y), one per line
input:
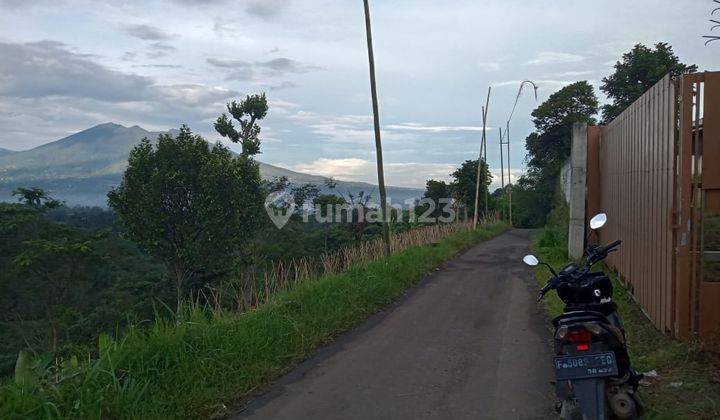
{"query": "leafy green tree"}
(63, 283)
(358, 211)
(438, 192)
(192, 205)
(55, 268)
(327, 204)
(247, 113)
(304, 193)
(463, 184)
(549, 146)
(279, 183)
(37, 198)
(639, 70)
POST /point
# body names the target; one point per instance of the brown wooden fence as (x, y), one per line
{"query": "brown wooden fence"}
(645, 171)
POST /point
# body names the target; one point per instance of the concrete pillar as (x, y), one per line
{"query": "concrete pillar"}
(578, 170)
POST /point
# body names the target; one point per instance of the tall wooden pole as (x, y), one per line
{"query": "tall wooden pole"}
(477, 176)
(502, 163)
(479, 167)
(378, 143)
(485, 142)
(507, 133)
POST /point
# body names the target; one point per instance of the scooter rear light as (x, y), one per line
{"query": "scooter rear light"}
(583, 347)
(580, 336)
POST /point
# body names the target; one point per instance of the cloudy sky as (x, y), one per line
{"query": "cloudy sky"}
(66, 65)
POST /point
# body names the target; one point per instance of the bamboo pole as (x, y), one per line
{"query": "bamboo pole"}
(502, 170)
(378, 143)
(479, 167)
(507, 134)
(485, 142)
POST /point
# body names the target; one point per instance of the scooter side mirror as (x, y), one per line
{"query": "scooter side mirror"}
(598, 221)
(531, 260)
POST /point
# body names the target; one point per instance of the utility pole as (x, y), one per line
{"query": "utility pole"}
(507, 133)
(502, 170)
(378, 143)
(485, 190)
(483, 146)
(504, 142)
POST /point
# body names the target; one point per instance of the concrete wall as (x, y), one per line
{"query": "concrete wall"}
(578, 171)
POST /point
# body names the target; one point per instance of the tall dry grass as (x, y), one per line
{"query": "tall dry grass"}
(256, 286)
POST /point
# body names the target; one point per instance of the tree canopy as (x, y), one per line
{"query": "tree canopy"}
(640, 69)
(247, 112)
(192, 205)
(463, 184)
(549, 146)
(36, 197)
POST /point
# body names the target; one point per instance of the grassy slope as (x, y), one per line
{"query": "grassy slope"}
(688, 386)
(192, 369)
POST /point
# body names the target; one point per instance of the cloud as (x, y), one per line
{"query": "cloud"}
(193, 95)
(334, 129)
(286, 65)
(284, 85)
(347, 169)
(574, 73)
(540, 83)
(146, 32)
(159, 50)
(266, 9)
(489, 66)
(245, 70)
(159, 66)
(408, 174)
(496, 182)
(129, 56)
(46, 68)
(47, 92)
(227, 62)
(433, 128)
(552, 57)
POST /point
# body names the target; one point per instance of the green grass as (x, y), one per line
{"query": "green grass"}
(196, 368)
(688, 385)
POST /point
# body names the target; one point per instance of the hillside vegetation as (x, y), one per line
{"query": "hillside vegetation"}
(202, 363)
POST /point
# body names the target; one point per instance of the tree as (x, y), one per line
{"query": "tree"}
(54, 271)
(279, 183)
(639, 70)
(463, 184)
(36, 198)
(549, 146)
(304, 193)
(438, 192)
(248, 112)
(191, 205)
(358, 210)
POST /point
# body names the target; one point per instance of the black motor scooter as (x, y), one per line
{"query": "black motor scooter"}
(594, 378)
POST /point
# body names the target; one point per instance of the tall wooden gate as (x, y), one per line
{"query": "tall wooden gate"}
(645, 170)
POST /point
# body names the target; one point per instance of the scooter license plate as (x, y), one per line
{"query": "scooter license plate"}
(595, 365)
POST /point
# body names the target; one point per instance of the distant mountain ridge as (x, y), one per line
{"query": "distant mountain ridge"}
(81, 168)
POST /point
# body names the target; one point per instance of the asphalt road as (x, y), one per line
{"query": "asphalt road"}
(469, 342)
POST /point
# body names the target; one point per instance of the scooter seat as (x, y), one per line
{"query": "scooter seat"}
(574, 317)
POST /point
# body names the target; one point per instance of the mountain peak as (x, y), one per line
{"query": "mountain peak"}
(106, 125)
(82, 167)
